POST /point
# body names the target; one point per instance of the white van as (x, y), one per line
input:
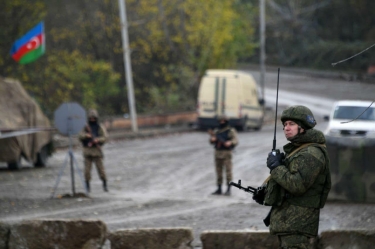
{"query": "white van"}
(232, 93)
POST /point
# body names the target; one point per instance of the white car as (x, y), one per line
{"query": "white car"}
(352, 118)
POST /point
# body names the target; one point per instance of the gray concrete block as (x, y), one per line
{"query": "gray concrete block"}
(152, 238)
(59, 234)
(238, 240)
(4, 235)
(348, 239)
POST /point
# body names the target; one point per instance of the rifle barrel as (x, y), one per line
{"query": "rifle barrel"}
(248, 189)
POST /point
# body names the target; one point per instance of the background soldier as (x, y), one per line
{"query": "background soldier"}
(299, 181)
(93, 137)
(224, 139)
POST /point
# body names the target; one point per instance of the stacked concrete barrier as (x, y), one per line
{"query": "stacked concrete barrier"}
(4, 235)
(91, 234)
(152, 238)
(352, 169)
(62, 234)
(347, 239)
(238, 240)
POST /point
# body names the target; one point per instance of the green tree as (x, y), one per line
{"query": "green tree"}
(64, 77)
(172, 44)
(16, 18)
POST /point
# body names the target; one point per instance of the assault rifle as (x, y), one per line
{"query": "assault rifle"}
(90, 141)
(249, 189)
(220, 139)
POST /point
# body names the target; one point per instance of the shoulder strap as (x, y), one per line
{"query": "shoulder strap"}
(304, 146)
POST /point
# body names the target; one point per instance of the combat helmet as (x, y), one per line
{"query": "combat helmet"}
(93, 114)
(301, 114)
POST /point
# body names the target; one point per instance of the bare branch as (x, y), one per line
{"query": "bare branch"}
(334, 64)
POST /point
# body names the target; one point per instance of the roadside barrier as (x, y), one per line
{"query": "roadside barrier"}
(92, 234)
(352, 169)
(238, 240)
(152, 238)
(113, 123)
(47, 234)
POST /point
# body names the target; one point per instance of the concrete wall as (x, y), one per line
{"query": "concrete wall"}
(91, 234)
(352, 169)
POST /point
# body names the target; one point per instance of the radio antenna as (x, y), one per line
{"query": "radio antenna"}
(277, 100)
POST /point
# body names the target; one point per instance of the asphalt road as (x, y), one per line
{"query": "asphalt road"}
(166, 181)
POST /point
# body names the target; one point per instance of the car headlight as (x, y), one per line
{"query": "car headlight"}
(333, 132)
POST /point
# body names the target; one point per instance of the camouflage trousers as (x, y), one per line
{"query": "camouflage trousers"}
(98, 161)
(223, 160)
(296, 241)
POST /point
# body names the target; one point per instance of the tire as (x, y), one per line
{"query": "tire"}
(41, 158)
(260, 124)
(244, 127)
(15, 165)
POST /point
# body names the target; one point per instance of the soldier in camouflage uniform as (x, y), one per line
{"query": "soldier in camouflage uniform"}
(224, 139)
(93, 138)
(300, 180)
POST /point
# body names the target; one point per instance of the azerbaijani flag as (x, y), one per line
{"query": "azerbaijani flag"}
(29, 47)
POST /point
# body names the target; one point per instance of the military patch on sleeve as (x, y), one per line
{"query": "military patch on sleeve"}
(310, 119)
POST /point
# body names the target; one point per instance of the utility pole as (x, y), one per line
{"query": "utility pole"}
(127, 64)
(262, 33)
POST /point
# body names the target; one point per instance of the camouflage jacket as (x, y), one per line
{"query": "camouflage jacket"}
(302, 183)
(94, 150)
(226, 134)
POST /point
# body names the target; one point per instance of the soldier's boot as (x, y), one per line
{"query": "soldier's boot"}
(105, 186)
(228, 191)
(218, 191)
(88, 186)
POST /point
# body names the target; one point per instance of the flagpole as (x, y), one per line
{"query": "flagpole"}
(127, 64)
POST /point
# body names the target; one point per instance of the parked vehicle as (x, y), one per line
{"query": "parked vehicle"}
(232, 93)
(351, 118)
(19, 111)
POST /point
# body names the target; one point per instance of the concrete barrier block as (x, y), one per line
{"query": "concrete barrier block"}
(61, 234)
(152, 238)
(348, 239)
(238, 240)
(352, 171)
(4, 235)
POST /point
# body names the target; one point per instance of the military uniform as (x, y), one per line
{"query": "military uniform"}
(223, 155)
(92, 152)
(299, 186)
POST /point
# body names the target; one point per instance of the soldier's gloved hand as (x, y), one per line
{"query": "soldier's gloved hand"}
(259, 195)
(274, 161)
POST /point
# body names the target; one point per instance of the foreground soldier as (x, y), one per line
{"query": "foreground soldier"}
(93, 137)
(299, 181)
(224, 139)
